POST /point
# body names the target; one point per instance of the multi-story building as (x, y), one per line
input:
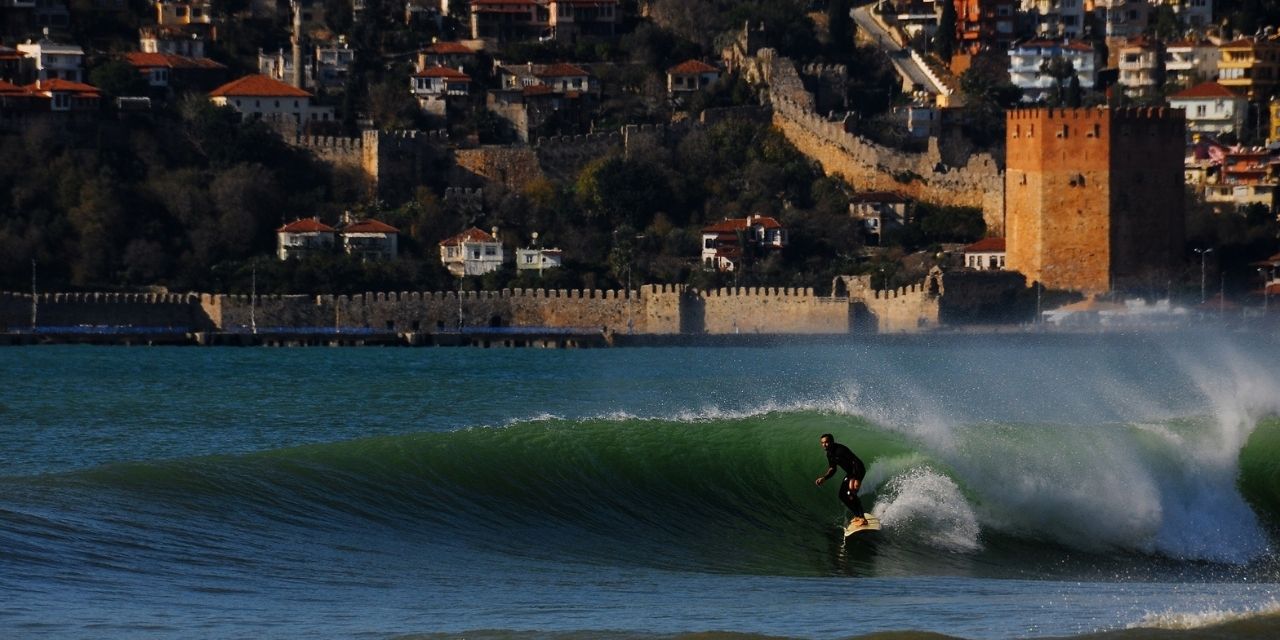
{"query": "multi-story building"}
(446, 54)
(472, 253)
(984, 24)
(727, 243)
(1250, 67)
(1026, 61)
(1056, 18)
(690, 76)
(1211, 109)
(1190, 62)
(1141, 67)
(45, 60)
(184, 12)
(1094, 197)
(1273, 131)
(434, 86)
(303, 238)
(370, 240)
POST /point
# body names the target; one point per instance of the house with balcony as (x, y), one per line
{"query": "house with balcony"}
(1141, 62)
(986, 254)
(303, 238)
(569, 19)
(1246, 176)
(433, 88)
(1190, 62)
(11, 64)
(1056, 19)
(332, 64)
(690, 76)
(1211, 109)
(1250, 67)
(369, 240)
(730, 242)
(472, 253)
(47, 60)
(261, 98)
(1027, 58)
(509, 20)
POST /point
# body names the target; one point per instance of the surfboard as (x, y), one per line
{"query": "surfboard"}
(873, 524)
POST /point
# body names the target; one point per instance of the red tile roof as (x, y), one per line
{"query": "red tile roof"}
(369, 226)
(438, 71)
(64, 86)
(8, 88)
(449, 47)
(258, 86)
(144, 60)
(730, 225)
(560, 70)
(470, 235)
(986, 245)
(1206, 90)
(691, 67)
(1074, 45)
(305, 225)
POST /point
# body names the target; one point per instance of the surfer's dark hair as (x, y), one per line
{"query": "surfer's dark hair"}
(827, 436)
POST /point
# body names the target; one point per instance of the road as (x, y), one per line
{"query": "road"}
(899, 55)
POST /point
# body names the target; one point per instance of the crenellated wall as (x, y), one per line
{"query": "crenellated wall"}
(872, 167)
(650, 309)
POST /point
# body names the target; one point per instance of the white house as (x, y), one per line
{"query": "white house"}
(1141, 60)
(1193, 13)
(725, 243)
(154, 38)
(370, 240)
(1026, 58)
(986, 254)
(1190, 62)
(535, 259)
(472, 253)
(433, 86)
(1212, 109)
(50, 60)
(260, 97)
(446, 54)
(691, 76)
(304, 237)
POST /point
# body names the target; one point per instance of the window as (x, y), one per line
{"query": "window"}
(528, 258)
(491, 251)
(1200, 110)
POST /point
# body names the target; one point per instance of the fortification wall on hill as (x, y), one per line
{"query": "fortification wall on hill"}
(872, 167)
(512, 166)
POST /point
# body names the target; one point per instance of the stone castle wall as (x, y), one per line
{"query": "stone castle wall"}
(651, 309)
(871, 167)
(1082, 214)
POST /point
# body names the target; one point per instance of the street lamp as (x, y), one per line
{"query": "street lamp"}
(1203, 253)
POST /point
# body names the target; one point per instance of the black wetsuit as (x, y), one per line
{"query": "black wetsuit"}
(841, 456)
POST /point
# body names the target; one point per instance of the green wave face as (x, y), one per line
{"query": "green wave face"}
(736, 494)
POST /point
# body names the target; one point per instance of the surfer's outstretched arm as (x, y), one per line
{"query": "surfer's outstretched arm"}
(831, 471)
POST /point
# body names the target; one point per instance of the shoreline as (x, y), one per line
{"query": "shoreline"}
(559, 338)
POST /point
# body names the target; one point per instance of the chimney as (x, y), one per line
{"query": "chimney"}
(495, 232)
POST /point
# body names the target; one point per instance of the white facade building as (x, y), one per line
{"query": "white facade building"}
(1190, 62)
(472, 253)
(1056, 18)
(1212, 109)
(260, 97)
(1026, 59)
(51, 60)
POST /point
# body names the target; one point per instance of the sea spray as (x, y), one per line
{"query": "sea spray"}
(927, 506)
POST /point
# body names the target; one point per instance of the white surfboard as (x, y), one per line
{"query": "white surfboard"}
(873, 524)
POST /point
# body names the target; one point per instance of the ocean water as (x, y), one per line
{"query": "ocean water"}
(1030, 486)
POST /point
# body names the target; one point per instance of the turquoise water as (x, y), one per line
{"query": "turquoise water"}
(1029, 486)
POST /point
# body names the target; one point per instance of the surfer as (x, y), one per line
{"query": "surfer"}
(841, 456)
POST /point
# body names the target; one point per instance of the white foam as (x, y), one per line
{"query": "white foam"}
(1175, 620)
(928, 506)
